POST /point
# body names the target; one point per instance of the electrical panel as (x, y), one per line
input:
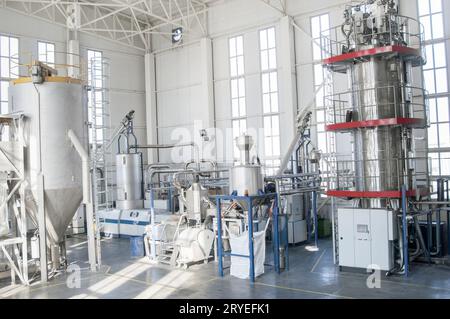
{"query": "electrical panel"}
(366, 238)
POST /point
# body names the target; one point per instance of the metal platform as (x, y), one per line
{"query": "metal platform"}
(405, 122)
(338, 63)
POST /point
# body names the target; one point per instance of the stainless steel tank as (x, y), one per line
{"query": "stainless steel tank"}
(378, 93)
(51, 109)
(246, 180)
(129, 181)
(195, 196)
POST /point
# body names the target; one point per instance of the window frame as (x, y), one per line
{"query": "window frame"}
(239, 119)
(439, 152)
(46, 61)
(272, 162)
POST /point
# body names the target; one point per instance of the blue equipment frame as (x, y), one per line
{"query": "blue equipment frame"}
(275, 238)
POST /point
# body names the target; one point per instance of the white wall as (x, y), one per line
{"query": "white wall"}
(126, 65)
(177, 70)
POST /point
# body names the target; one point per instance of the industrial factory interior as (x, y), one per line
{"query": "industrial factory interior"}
(224, 149)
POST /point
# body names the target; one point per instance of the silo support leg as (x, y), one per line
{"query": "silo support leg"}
(42, 231)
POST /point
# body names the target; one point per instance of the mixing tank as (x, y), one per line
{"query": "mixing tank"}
(52, 108)
(246, 178)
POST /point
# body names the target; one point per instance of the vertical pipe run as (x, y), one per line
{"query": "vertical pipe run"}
(152, 221)
(441, 198)
(219, 236)
(316, 221)
(448, 218)
(23, 234)
(430, 230)
(286, 238)
(333, 229)
(250, 239)
(405, 231)
(308, 223)
(93, 249)
(276, 238)
(42, 231)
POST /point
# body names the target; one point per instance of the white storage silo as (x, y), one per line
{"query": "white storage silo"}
(51, 109)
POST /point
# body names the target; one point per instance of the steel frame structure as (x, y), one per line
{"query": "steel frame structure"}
(128, 22)
(12, 165)
(252, 201)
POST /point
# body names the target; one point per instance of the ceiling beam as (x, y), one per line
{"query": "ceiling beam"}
(122, 21)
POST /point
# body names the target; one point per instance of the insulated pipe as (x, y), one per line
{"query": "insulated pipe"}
(212, 163)
(85, 165)
(87, 199)
(149, 169)
(405, 231)
(441, 197)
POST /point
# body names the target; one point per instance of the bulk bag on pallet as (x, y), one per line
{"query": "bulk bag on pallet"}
(240, 267)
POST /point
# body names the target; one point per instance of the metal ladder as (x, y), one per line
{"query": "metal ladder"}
(100, 128)
(331, 162)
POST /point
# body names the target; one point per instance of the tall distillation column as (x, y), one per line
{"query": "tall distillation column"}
(382, 107)
(377, 49)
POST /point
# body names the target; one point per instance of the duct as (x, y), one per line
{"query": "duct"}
(120, 129)
(441, 197)
(85, 166)
(297, 142)
(87, 198)
(420, 238)
(212, 163)
(149, 169)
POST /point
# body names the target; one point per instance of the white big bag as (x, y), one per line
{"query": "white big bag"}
(240, 267)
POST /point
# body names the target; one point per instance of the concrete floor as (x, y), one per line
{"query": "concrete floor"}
(312, 275)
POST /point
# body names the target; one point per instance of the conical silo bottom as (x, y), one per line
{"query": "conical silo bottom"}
(60, 206)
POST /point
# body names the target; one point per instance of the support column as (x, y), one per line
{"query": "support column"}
(73, 23)
(287, 76)
(206, 102)
(151, 106)
(42, 230)
(207, 89)
(73, 59)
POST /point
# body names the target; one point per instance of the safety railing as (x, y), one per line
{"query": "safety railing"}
(75, 66)
(379, 175)
(290, 184)
(379, 31)
(386, 102)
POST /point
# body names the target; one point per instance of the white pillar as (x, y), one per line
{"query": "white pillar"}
(73, 59)
(207, 90)
(287, 76)
(206, 102)
(150, 105)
